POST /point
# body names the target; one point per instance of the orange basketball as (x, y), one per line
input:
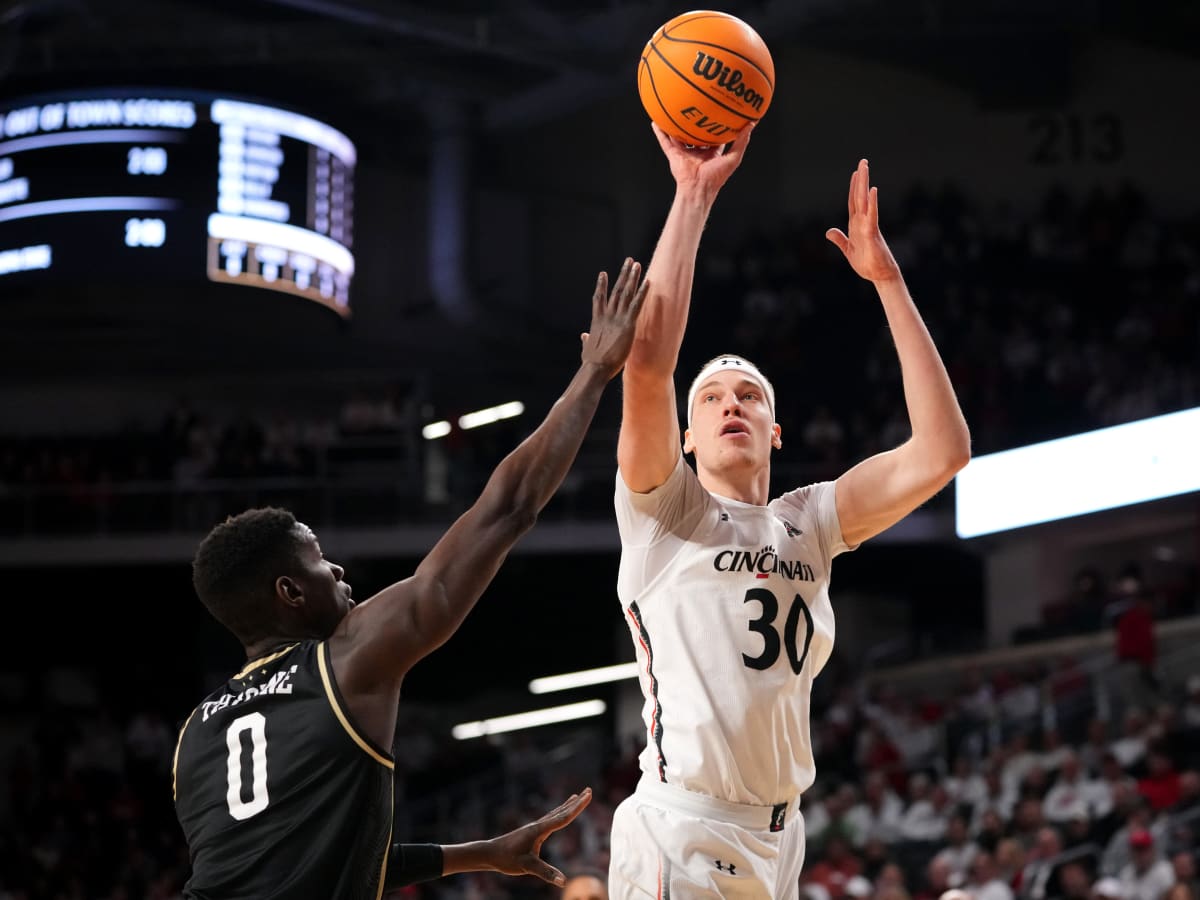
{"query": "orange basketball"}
(704, 76)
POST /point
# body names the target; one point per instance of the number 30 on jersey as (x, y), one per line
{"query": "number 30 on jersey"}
(765, 625)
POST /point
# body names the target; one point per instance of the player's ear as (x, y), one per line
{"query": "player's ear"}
(776, 436)
(287, 590)
(688, 446)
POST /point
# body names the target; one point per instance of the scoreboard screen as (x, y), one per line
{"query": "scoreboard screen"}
(145, 185)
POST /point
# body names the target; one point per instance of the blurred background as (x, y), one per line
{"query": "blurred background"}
(1017, 712)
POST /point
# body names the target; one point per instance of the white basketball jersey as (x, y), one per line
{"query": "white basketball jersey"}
(728, 606)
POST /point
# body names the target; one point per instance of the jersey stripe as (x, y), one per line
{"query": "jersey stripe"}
(387, 848)
(263, 660)
(656, 729)
(336, 703)
(175, 761)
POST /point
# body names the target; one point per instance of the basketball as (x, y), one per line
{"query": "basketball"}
(704, 76)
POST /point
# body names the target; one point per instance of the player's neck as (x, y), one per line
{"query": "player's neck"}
(266, 646)
(745, 486)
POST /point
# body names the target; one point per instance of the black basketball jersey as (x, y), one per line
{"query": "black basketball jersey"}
(277, 793)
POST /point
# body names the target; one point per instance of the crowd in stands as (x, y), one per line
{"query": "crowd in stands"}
(977, 787)
(1079, 316)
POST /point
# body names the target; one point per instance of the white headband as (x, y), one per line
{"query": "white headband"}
(735, 364)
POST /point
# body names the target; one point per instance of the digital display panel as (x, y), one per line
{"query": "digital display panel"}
(1118, 466)
(147, 184)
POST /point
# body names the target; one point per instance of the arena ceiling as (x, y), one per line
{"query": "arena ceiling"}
(520, 60)
(513, 63)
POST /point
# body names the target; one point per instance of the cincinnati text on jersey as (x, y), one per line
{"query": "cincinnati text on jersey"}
(279, 683)
(762, 562)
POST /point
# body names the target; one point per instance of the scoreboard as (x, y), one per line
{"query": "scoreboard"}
(138, 185)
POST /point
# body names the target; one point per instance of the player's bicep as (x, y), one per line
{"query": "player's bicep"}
(881, 490)
(409, 619)
(648, 445)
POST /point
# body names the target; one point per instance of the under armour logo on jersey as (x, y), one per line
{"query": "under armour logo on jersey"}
(724, 517)
(791, 529)
(721, 868)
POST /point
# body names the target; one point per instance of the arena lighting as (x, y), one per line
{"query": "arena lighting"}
(532, 719)
(435, 430)
(491, 414)
(1111, 467)
(568, 680)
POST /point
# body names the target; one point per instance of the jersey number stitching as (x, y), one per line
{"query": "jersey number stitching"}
(764, 625)
(256, 724)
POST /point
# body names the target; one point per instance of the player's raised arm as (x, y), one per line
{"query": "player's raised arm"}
(383, 637)
(883, 489)
(648, 446)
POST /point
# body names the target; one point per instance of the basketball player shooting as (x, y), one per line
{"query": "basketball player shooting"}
(725, 592)
(283, 775)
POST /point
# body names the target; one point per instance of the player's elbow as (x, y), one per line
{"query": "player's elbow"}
(523, 516)
(944, 458)
(958, 450)
(514, 514)
(957, 455)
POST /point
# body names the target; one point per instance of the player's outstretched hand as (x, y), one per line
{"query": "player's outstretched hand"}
(519, 851)
(862, 243)
(614, 318)
(705, 167)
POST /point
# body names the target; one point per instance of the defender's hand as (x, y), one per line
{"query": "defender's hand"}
(518, 852)
(614, 318)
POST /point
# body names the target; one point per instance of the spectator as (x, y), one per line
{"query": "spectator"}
(1019, 760)
(1136, 649)
(1118, 852)
(1054, 751)
(1189, 794)
(928, 814)
(965, 786)
(939, 878)
(998, 799)
(1037, 878)
(984, 884)
(1161, 784)
(1094, 747)
(1073, 794)
(1130, 748)
(1184, 864)
(834, 872)
(959, 850)
(878, 815)
(1146, 876)
(585, 886)
(1074, 882)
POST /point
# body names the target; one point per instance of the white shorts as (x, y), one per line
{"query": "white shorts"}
(672, 844)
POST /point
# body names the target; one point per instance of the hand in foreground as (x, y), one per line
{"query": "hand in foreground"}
(614, 318)
(862, 244)
(519, 851)
(706, 167)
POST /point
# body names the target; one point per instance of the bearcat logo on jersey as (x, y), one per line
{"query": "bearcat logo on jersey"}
(791, 529)
(762, 563)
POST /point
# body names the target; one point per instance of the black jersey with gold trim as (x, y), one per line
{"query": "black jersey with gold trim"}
(278, 794)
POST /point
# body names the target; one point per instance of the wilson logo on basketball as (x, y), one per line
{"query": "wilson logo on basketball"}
(713, 69)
